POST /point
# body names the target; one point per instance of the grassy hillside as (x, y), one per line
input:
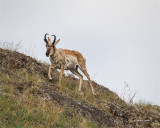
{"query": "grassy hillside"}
(28, 99)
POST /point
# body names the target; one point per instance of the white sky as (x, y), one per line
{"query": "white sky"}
(119, 38)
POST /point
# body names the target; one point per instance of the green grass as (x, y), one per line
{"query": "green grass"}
(27, 114)
(92, 125)
(28, 110)
(66, 121)
(23, 113)
(22, 103)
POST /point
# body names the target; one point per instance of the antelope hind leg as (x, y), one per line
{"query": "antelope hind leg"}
(61, 74)
(74, 71)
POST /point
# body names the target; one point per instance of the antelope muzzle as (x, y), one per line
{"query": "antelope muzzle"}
(47, 52)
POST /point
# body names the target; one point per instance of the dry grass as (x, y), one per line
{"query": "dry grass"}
(23, 106)
(11, 46)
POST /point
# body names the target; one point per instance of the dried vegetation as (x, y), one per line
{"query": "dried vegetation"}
(29, 99)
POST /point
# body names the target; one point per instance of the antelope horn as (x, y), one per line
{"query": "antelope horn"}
(45, 38)
(54, 39)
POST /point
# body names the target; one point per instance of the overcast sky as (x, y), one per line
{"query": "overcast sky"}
(119, 38)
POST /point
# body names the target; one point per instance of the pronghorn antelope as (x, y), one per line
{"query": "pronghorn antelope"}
(64, 59)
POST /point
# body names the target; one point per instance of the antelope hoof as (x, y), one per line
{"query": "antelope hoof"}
(94, 94)
(50, 78)
(80, 92)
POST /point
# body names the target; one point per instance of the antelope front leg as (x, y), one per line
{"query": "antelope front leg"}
(61, 74)
(49, 72)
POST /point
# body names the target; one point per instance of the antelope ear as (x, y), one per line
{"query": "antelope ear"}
(49, 40)
(56, 42)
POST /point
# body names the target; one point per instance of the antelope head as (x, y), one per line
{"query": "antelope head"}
(50, 46)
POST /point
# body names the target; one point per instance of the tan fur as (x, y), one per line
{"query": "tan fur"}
(76, 54)
(56, 42)
(49, 40)
(65, 59)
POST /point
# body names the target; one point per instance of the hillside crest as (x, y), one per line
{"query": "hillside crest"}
(26, 76)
